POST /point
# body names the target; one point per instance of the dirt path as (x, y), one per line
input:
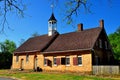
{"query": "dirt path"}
(2, 78)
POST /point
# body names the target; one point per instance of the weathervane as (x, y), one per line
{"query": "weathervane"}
(52, 6)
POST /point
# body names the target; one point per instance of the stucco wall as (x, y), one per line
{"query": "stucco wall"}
(85, 67)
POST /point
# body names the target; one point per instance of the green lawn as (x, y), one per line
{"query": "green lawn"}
(51, 76)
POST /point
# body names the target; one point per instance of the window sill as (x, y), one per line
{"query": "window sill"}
(55, 64)
(45, 65)
(67, 65)
(79, 65)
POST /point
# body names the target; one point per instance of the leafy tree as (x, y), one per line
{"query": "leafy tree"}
(5, 60)
(8, 46)
(115, 42)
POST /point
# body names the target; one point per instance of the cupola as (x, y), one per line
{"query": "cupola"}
(52, 25)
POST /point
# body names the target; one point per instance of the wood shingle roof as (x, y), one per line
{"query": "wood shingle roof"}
(38, 43)
(79, 40)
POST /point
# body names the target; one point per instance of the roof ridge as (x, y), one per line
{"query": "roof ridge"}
(81, 31)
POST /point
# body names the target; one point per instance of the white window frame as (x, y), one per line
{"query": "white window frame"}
(81, 60)
(66, 60)
(54, 61)
(45, 61)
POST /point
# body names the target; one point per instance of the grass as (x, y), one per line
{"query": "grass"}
(52, 76)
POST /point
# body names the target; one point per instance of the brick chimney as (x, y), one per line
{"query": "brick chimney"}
(102, 23)
(80, 27)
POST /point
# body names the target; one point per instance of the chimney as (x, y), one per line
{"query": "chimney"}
(80, 27)
(102, 23)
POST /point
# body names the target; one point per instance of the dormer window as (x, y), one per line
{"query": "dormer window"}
(100, 43)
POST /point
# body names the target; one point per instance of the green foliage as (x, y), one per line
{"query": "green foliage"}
(5, 60)
(115, 42)
(8, 46)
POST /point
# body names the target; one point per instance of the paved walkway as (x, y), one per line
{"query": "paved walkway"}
(1, 78)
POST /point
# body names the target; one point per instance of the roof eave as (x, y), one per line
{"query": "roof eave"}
(67, 51)
(26, 51)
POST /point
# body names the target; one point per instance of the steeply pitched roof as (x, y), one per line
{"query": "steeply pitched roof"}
(52, 18)
(80, 40)
(38, 43)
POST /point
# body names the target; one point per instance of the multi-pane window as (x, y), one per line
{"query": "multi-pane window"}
(79, 60)
(17, 58)
(67, 60)
(55, 61)
(27, 58)
(45, 61)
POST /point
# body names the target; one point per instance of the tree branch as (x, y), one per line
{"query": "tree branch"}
(8, 6)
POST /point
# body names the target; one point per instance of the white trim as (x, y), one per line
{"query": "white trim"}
(80, 65)
(56, 61)
(81, 60)
(66, 60)
(44, 61)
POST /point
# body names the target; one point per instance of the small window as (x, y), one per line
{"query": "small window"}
(79, 60)
(55, 61)
(67, 60)
(45, 61)
(27, 58)
(17, 58)
(100, 43)
(106, 45)
(63, 61)
(97, 59)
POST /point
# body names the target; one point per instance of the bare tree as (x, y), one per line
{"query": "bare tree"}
(73, 8)
(8, 6)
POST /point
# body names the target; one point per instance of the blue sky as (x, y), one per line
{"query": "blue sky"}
(38, 12)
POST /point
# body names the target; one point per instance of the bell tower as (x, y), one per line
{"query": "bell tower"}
(52, 24)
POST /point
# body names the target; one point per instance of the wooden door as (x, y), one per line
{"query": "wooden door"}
(22, 64)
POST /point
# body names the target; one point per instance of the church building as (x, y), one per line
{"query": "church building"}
(75, 51)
